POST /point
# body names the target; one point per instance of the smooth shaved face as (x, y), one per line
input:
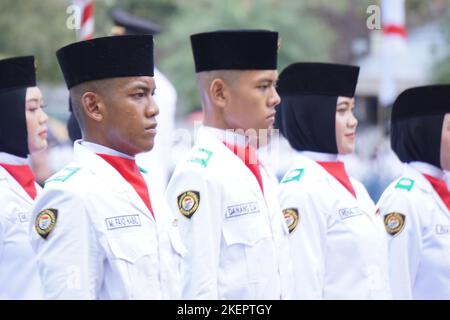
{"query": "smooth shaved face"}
(345, 125)
(36, 120)
(244, 100)
(121, 114)
(445, 143)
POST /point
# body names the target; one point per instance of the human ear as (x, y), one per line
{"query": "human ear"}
(218, 92)
(92, 105)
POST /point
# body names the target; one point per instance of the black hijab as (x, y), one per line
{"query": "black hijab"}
(306, 115)
(417, 118)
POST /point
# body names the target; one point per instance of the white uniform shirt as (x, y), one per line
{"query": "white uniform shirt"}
(237, 239)
(419, 246)
(19, 278)
(339, 247)
(105, 243)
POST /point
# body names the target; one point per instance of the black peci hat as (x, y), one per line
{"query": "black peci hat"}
(17, 72)
(421, 101)
(235, 50)
(416, 123)
(107, 57)
(323, 79)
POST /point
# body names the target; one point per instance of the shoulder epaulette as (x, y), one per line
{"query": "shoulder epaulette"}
(201, 156)
(63, 175)
(405, 183)
(293, 175)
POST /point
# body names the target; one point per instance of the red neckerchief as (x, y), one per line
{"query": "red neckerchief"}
(249, 157)
(337, 170)
(131, 173)
(441, 188)
(24, 176)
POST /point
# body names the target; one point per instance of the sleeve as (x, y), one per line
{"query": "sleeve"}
(66, 251)
(400, 211)
(2, 237)
(200, 229)
(307, 239)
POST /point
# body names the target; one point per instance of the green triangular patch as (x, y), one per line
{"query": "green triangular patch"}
(293, 175)
(201, 156)
(63, 175)
(405, 183)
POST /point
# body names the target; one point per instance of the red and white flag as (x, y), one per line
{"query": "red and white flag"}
(394, 47)
(86, 30)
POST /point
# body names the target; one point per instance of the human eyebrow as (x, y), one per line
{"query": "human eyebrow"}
(343, 104)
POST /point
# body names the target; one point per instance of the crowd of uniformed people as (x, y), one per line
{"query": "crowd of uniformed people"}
(224, 227)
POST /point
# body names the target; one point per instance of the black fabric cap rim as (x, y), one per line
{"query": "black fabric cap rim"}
(106, 57)
(317, 78)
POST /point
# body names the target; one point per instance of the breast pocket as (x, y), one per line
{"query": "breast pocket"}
(249, 255)
(134, 261)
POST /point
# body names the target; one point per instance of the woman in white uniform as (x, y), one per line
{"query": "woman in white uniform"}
(415, 207)
(339, 247)
(23, 127)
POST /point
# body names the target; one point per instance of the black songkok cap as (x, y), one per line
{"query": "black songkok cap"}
(323, 79)
(417, 118)
(422, 101)
(235, 50)
(18, 72)
(132, 24)
(108, 57)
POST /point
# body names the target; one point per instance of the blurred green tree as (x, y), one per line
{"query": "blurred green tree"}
(303, 36)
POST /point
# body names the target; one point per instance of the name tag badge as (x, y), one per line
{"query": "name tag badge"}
(23, 217)
(123, 222)
(442, 229)
(346, 213)
(241, 209)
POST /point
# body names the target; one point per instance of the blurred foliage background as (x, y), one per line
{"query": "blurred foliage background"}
(310, 30)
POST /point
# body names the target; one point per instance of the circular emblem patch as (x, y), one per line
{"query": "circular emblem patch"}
(394, 223)
(291, 217)
(45, 222)
(188, 203)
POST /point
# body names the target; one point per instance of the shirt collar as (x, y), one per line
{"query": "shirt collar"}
(97, 148)
(229, 135)
(319, 156)
(8, 158)
(427, 168)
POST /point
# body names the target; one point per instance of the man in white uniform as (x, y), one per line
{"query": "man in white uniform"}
(415, 207)
(23, 126)
(158, 162)
(338, 244)
(101, 230)
(230, 218)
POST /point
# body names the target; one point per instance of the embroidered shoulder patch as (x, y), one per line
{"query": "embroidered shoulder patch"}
(63, 174)
(405, 183)
(201, 156)
(394, 223)
(292, 218)
(142, 170)
(293, 175)
(188, 203)
(45, 222)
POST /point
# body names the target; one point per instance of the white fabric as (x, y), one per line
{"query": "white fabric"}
(19, 278)
(240, 255)
(420, 253)
(88, 255)
(339, 247)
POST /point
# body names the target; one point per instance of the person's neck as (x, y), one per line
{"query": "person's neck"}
(97, 147)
